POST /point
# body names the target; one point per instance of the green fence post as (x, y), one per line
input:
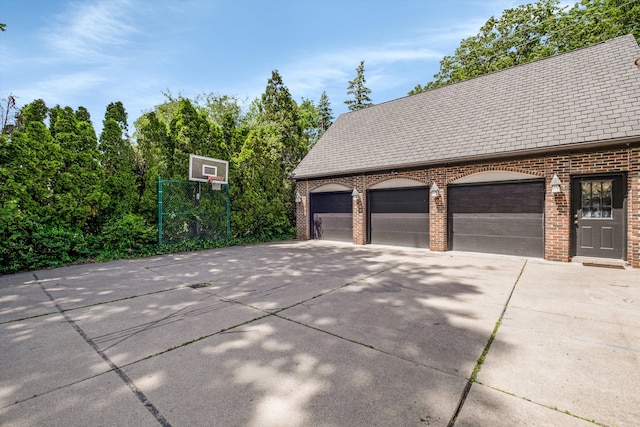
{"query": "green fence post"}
(159, 210)
(228, 215)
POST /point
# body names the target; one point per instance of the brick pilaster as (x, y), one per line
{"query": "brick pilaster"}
(360, 211)
(557, 210)
(438, 212)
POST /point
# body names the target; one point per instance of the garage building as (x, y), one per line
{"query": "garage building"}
(538, 160)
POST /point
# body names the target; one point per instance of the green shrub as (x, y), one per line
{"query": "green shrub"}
(128, 235)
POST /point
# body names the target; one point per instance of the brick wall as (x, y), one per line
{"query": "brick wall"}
(557, 209)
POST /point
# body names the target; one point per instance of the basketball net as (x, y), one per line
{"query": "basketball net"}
(213, 181)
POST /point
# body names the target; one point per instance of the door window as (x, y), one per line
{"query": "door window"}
(597, 199)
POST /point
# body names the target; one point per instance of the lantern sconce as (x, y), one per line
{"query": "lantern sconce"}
(355, 194)
(434, 191)
(298, 198)
(556, 184)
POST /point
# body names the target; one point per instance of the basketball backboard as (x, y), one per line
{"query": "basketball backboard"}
(206, 169)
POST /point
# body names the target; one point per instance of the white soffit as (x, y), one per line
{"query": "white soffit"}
(327, 188)
(398, 183)
(492, 176)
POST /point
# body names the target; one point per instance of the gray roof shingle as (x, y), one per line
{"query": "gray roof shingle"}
(587, 95)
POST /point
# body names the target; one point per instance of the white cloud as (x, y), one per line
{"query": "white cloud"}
(58, 89)
(89, 32)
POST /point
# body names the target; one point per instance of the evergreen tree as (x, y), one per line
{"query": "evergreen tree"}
(29, 164)
(259, 202)
(152, 142)
(78, 188)
(118, 161)
(279, 115)
(279, 112)
(325, 114)
(117, 112)
(308, 119)
(359, 91)
(191, 133)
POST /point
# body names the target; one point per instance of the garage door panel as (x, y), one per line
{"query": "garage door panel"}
(332, 216)
(505, 245)
(502, 218)
(400, 229)
(399, 217)
(333, 226)
(497, 198)
(525, 225)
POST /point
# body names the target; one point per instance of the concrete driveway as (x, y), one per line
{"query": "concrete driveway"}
(321, 334)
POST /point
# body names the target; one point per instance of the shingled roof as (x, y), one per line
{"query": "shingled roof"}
(590, 95)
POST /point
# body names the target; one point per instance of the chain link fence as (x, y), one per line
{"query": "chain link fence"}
(192, 210)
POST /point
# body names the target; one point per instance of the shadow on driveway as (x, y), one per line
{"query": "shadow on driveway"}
(286, 334)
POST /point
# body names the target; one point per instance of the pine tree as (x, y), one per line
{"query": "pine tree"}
(325, 114)
(359, 91)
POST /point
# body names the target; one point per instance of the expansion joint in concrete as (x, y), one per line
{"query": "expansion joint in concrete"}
(476, 369)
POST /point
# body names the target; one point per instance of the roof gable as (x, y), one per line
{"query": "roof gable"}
(584, 96)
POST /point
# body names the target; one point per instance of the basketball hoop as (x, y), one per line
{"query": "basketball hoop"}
(214, 181)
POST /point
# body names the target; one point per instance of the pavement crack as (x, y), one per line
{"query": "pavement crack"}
(476, 369)
(123, 376)
(553, 408)
(57, 388)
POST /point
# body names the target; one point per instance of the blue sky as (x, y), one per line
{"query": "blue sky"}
(93, 52)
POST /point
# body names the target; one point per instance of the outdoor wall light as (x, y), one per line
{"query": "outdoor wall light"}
(354, 194)
(298, 197)
(555, 184)
(434, 191)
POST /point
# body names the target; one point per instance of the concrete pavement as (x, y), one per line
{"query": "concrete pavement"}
(320, 334)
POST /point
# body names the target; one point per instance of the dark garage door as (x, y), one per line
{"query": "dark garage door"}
(331, 216)
(501, 218)
(399, 217)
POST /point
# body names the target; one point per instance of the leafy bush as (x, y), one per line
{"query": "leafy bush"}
(36, 246)
(127, 235)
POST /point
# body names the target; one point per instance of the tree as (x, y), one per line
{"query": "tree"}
(259, 202)
(152, 142)
(308, 119)
(359, 91)
(534, 31)
(117, 112)
(224, 111)
(191, 133)
(8, 111)
(30, 162)
(279, 112)
(119, 163)
(325, 114)
(593, 21)
(29, 165)
(78, 188)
